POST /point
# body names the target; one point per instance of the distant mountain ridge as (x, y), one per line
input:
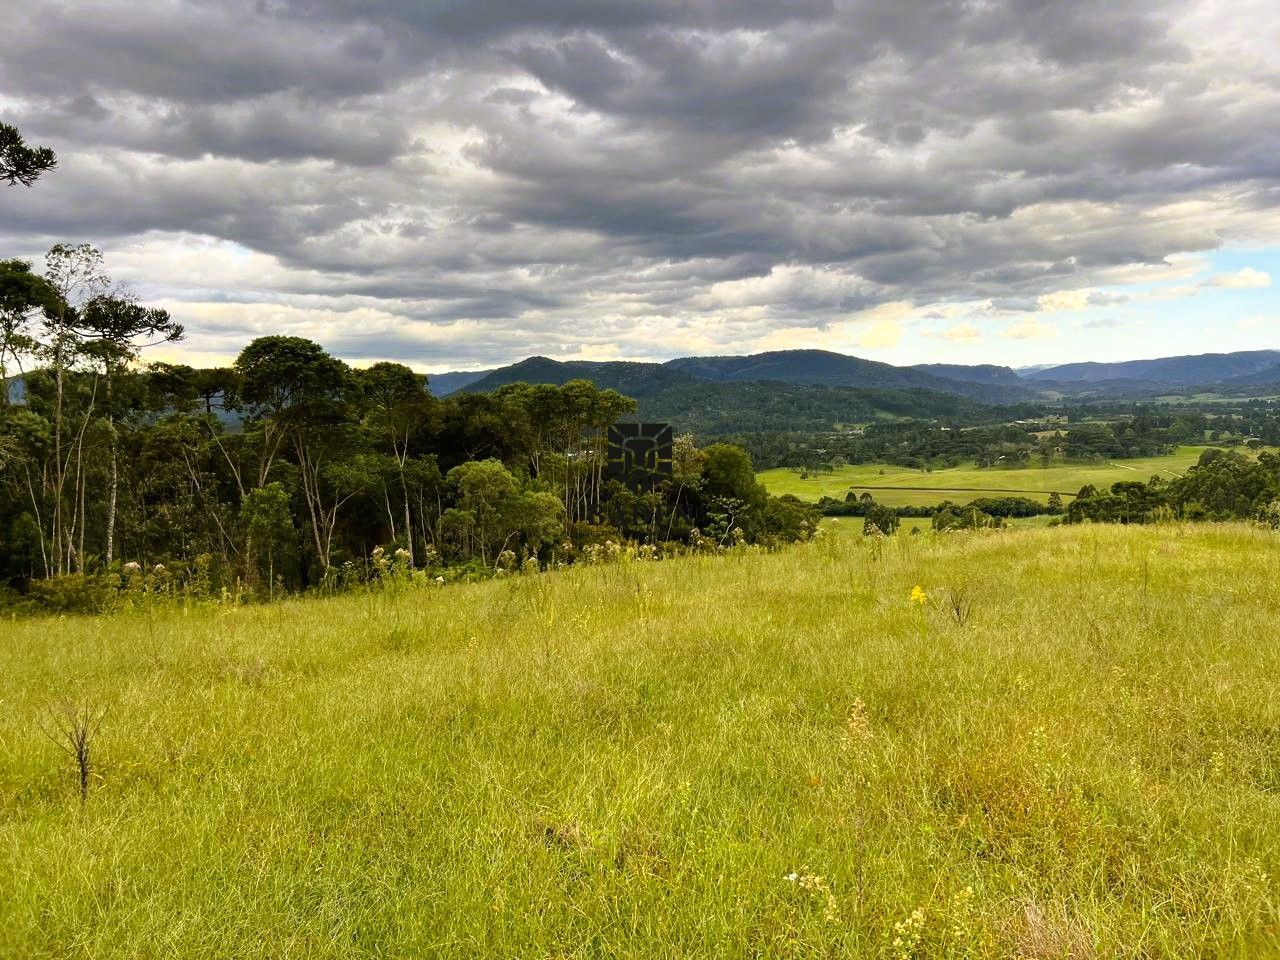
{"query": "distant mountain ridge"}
(635, 379)
(985, 383)
(810, 367)
(981, 373)
(785, 390)
(443, 384)
(1204, 368)
(1267, 375)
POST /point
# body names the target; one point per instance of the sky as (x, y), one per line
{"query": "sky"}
(457, 184)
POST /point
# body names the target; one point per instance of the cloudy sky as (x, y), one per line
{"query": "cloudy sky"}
(461, 183)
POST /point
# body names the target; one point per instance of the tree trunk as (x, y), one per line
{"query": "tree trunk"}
(81, 483)
(408, 527)
(58, 473)
(115, 474)
(311, 494)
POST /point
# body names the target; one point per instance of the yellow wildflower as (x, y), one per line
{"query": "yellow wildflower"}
(918, 595)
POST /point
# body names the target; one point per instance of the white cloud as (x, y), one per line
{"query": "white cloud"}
(1030, 328)
(1064, 300)
(1244, 279)
(962, 332)
(881, 335)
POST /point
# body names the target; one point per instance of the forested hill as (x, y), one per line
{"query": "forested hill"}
(710, 407)
(981, 373)
(824, 368)
(717, 409)
(799, 368)
(1229, 373)
(633, 379)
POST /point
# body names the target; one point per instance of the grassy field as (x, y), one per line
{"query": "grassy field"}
(960, 483)
(756, 755)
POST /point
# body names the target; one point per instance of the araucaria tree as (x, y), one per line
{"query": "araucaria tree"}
(19, 163)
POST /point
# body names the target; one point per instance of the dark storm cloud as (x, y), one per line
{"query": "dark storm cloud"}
(570, 173)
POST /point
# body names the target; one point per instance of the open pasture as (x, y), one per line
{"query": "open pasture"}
(901, 487)
(1068, 749)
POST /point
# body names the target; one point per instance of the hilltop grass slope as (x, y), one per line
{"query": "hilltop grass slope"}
(755, 755)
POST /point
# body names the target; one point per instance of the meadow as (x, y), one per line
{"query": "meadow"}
(964, 483)
(1065, 743)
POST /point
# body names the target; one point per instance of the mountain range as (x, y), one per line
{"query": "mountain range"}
(1205, 368)
(986, 383)
(816, 390)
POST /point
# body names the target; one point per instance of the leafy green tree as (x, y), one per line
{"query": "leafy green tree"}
(727, 472)
(499, 512)
(295, 393)
(268, 525)
(880, 519)
(731, 496)
(485, 489)
(286, 385)
(23, 294)
(28, 442)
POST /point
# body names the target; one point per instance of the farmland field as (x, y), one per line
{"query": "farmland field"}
(600, 762)
(967, 482)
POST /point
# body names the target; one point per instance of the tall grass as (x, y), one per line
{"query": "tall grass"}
(756, 755)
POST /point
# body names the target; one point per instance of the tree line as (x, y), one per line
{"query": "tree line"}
(1016, 437)
(1223, 485)
(289, 469)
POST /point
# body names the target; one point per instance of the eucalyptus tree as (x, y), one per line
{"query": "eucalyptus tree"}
(114, 331)
(397, 408)
(76, 274)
